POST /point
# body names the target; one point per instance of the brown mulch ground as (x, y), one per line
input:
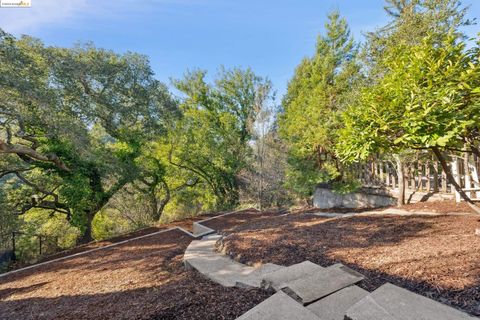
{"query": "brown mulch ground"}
(303, 210)
(436, 256)
(141, 279)
(228, 222)
(446, 206)
(185, 224)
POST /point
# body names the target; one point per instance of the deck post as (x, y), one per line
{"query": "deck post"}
(435, 176)
(456, 175)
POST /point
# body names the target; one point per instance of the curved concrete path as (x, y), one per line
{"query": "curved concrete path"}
(201, 256)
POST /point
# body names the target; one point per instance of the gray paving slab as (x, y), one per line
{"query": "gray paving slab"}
(279, 307)
(199, 247)
(212, 237)
(346, 269)
(201, 256)
(334, 306)
(227, 274)
(201, 230)
(321, 283)
(368, 309)
(209, 263)
(390, 302)
(278, 278)
(254, 279)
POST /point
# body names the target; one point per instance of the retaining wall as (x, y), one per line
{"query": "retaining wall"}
(325, 198)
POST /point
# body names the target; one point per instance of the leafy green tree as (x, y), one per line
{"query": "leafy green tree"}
(45, 232)
(428, 99)
(210, 143)
(316, 96)
(75, 122)
(412, 21)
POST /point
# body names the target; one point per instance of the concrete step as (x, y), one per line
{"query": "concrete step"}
(201, 230)
(321, 283)
(390, 302)
(219, 269)
(278, 278)
(198, 248)
(212, 237)
(254, 279)
(201, 256)
(227, 273)
(334, 306)
(279, 307)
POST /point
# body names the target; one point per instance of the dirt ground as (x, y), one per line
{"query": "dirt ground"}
(228, 222)
(438, 207)
(185, 224)
(436, 256)
(141, 279)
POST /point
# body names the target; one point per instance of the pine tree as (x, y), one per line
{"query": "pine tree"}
(317, 94)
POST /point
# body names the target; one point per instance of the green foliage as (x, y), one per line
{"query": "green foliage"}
(412, 21)
(189, 202)
(8, 221)
(303, 175)
(317, 95)
(78, 120)
(426, 99)
(263, 180)
(109, 223)
(346, 186)
(55, 230)
(210, 142)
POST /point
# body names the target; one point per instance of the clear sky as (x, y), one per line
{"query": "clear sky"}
(270, 36)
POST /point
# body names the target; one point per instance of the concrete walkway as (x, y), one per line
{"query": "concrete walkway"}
(201, 256)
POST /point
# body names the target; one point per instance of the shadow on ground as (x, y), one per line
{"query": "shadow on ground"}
(142, 279)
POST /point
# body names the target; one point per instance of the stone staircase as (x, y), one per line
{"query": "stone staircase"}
(308, 291)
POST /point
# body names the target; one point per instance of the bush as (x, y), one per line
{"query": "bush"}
(55, 231)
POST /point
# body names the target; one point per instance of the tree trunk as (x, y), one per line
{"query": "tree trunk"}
(435, 176)
(452, 180)
(475, 150)
(87, 235)
(401, 181)
(160, 207)
(154, 206)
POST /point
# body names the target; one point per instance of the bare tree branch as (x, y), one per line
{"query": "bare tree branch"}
(33, 154)
(13, 171)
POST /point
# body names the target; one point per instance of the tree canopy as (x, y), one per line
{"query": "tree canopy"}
(75, 122)
(317, 95)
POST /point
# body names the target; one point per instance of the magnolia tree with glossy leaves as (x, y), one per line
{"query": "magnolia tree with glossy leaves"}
(428, 99)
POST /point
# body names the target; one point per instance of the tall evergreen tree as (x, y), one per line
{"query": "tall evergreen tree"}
(317, 94)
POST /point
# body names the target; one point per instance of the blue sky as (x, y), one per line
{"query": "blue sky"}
(269, 36)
